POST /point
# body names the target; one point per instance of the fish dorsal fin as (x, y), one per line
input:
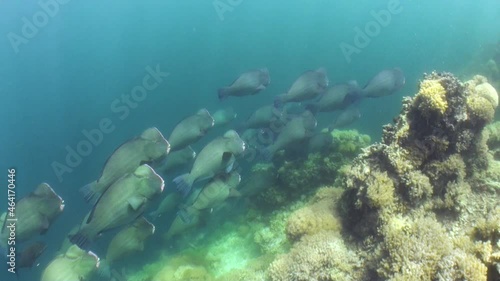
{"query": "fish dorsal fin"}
(43, 190)
(136, 202)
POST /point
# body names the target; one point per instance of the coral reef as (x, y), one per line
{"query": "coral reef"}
(322, 256)
(420, 205)
(408, 198)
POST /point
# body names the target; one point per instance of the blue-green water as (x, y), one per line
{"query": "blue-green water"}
(64, 77)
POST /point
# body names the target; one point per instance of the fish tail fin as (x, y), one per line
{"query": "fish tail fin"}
(80, 239)
(188, 215)
(185, 216)
(313, 108)
(89, 192)
(184, 183)
(279, 101)
(223, 93)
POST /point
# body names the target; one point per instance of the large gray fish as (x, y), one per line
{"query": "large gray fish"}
(34, 213)
(308, 86)
(384, 83)
(145, 149)
(190, 130)
(248, 83)
(345, 118)
(334, 98)
(176, 159)
(213, 194)
(216, 191)
(124, 201)
(224, 116)
(216, 156)
(74, 265)
(30, 254)
(262, 117)
(297, 129)
(129, 240)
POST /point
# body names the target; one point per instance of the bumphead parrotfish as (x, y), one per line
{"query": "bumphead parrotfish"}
(129, 240)
(190, 130)
(248, 83)
(149, 147)
(217, 156)
(35, 212)
(124, 201)
(74, 265)
(308, 86)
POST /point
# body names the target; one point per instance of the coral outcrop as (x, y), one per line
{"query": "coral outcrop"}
(411, 198)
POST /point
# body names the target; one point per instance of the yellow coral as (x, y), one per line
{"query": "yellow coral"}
(432, 97)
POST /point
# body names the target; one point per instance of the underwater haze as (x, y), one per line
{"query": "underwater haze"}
(68, 69)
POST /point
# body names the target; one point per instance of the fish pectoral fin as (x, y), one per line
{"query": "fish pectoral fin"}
(136, 202)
